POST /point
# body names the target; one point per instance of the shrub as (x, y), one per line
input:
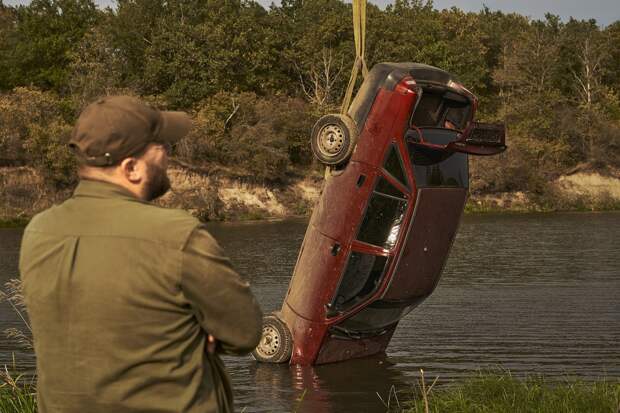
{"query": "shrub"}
(256, 136)
(34, 127)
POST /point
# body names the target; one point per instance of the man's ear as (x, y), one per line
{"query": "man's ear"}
(131, 170)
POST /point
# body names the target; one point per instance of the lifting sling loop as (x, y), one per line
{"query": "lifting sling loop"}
(359, 34)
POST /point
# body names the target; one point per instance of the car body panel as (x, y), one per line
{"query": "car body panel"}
(436, 218)
(382, 229)
(339, 348)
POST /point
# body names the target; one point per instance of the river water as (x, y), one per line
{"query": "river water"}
(531, 293)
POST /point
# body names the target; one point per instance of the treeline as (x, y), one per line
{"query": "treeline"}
(256, 79)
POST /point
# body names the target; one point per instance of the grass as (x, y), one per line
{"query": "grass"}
(501, 392)
(16, 396)
(486, 393)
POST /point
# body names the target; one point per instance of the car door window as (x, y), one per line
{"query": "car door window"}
(386, 206)
(386, 188)
(383, 219)
(361, 279)
(394, 165)
(380, 227)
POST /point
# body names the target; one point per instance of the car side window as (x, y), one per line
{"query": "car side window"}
(361, 279)
(394, 165)
(383, 219)
(386, 206)
(381, 227)
(386, 188)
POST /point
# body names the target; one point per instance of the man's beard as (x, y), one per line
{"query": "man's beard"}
(157, 183)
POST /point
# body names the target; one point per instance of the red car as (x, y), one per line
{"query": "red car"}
(394, 192)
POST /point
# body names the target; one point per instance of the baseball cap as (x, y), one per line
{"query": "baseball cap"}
(115, 127)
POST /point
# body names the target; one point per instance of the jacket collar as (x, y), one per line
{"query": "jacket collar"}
(100, 189)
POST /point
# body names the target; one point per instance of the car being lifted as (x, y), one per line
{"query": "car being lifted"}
(394, 192)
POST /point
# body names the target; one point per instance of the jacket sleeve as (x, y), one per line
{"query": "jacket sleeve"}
(222, 302)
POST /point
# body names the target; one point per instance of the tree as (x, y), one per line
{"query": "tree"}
(315, 41)
(34, 128)
(223, 49)
(612, 74)
(96, 68)
(319, 84)
(131, 28)
(586, 52)
(498, 30)
(46, 32)
(8, 29)
(531, 102)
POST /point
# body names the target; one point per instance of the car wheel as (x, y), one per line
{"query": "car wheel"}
(276, 343)
(333, 139)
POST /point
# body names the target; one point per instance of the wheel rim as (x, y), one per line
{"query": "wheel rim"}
(330, 140)
(269, 342)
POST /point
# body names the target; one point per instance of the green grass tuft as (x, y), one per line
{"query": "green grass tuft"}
(497, 393)
(16, 396)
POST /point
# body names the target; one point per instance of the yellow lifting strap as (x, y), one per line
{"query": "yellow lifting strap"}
(359, 34)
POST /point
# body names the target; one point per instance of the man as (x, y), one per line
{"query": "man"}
(130, 303)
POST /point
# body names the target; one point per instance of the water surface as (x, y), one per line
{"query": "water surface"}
(532, 293)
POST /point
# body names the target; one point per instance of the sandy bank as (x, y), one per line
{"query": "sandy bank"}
(218, 197)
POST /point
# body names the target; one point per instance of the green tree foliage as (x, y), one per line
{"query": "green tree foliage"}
(253, 135)
(224, 50)
(530, 103)
(37, 46)
(34, 127)
(612, 33)
(8, 23)
(256, 79)
(96, 67)
(317, 52)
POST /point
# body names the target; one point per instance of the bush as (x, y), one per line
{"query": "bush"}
(255, 136)
(34, 128)
(47, 150)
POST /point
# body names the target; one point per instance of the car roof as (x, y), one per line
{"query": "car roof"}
(419, 71)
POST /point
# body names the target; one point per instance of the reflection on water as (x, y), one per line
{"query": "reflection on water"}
(531, 293)
(358, 386)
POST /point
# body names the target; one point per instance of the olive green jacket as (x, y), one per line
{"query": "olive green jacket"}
(121, 295)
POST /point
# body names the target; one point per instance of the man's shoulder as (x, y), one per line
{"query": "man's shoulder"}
(165, 214)
(127, 220)
(158, 223)
(42, 220)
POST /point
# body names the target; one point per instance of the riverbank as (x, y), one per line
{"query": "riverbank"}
(222, 196)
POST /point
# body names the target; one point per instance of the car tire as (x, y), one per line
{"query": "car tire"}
(276, 343)
(333, 139)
